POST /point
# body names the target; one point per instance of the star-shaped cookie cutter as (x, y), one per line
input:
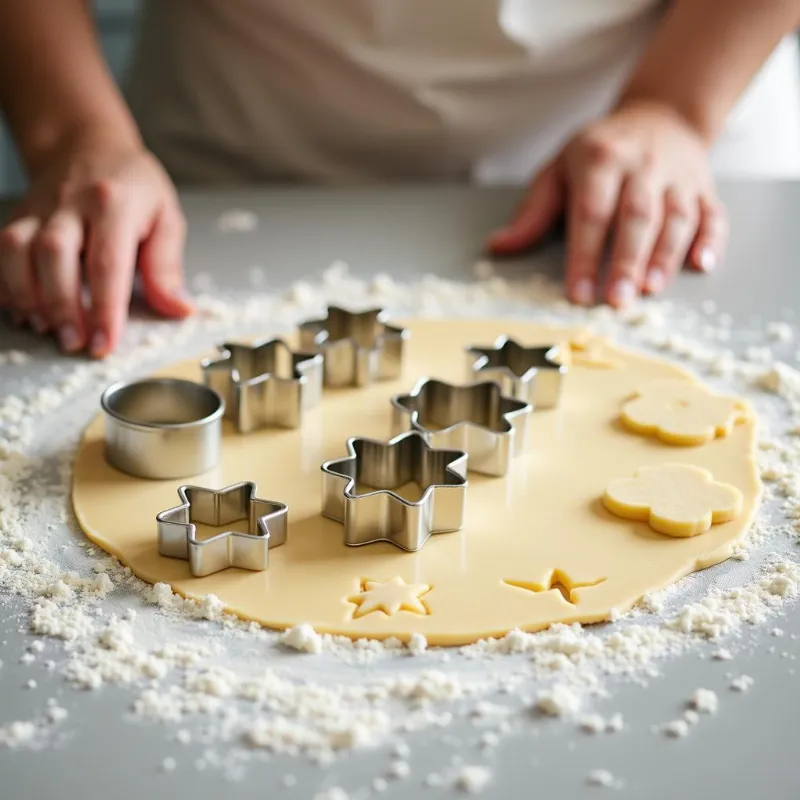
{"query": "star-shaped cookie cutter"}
(379, 514)
(477, 418)
(177, 528)
(359, 347)
(265, 384)
(531, 374)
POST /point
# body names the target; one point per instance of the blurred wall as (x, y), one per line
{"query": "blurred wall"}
(116, 22)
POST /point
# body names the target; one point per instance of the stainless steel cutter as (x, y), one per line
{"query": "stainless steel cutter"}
(477, 418)
(530, 374)
(265, 384)
(358, 490)
(359, 347)
(266, 528)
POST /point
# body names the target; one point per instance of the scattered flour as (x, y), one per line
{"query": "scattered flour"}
(742, 684)
(559, 701)
(705, 701)
(603, 778)
(472, 779)
(304, 638)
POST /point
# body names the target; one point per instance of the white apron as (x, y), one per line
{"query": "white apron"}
(233, 91)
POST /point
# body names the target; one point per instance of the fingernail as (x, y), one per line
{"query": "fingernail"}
(99, 345)
(708, 259)
(37, 322)
(623, 293)
(655, 281)
(584, 293)
(69, 339)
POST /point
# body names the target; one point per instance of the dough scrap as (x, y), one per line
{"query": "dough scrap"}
(681, 412)
(589, 350)
(676, 499)
(390, 597)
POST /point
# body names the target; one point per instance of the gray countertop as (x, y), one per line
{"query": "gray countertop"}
(746, 750)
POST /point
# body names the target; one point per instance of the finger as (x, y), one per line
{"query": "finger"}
(672, 244)
(161, 266)
(591, 209)
(639, 218)
(18, 276)
(56, 258)
(114, 231)
(708, 248)
(537, 213)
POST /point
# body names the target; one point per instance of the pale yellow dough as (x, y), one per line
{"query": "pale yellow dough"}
(675, 499)
(538, 546)
(681, 412)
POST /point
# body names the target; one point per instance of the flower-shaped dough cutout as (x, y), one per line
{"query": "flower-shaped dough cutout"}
(675, 499)
(680, 412)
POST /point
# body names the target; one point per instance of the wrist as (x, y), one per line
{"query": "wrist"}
(80, 135)
(701, 124)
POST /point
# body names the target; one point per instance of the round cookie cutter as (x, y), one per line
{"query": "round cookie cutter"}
(162, 427)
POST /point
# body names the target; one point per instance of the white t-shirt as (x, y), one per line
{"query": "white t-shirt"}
(362, 90)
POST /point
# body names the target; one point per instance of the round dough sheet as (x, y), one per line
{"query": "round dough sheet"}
(538, 547)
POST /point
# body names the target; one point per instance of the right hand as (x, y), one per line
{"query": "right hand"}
(93, 214)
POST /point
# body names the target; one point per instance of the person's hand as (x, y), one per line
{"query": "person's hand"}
(638, 179)
(92, 215)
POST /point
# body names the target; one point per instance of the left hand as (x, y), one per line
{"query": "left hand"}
(638, 178)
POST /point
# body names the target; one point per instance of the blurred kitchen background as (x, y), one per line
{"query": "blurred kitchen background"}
(116, 21)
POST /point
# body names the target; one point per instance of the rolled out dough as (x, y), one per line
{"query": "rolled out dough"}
(538, 546)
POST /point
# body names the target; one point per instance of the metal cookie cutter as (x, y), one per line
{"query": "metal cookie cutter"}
(162, 427)
(530, 374)
(265, 384)
(476, 418)
(379, 514)
(359, 347)
(177, 528)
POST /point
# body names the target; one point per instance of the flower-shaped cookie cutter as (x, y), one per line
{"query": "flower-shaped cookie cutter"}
(379, 514)
(266, 528)
(531, 374)
(675, 499)
(477, 418)
(679, 411)
(265, 384)
(359, 347)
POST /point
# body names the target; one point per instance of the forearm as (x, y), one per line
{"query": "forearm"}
(54, 84)
(705, 53)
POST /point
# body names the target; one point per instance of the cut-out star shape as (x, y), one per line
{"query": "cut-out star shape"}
(556, 580)
(389, 597)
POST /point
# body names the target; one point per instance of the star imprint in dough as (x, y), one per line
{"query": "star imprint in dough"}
(681, 412)
(675, 499)
(390, 597)
(559, 581)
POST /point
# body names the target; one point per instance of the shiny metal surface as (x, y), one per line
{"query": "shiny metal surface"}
(177, 528)
(530, 374)
(477, 418)
(359, 347)
(381, 515)
(162, 427)
(265, 384)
